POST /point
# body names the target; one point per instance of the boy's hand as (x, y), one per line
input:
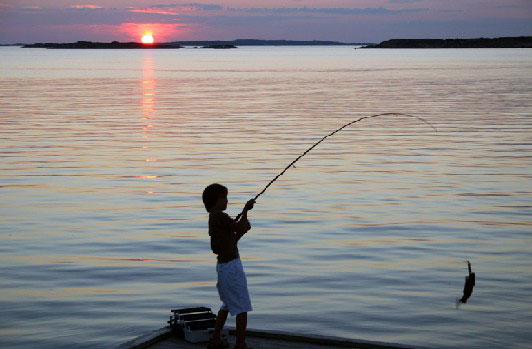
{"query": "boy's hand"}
(249, 205)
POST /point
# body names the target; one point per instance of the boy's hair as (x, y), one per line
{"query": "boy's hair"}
(211, 194)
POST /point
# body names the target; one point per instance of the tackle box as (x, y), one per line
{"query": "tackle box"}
(196, 325)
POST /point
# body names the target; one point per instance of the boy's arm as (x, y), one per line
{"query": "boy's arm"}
(243, 225)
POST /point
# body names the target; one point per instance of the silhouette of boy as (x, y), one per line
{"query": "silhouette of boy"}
(232, 284)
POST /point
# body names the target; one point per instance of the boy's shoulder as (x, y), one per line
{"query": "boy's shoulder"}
(220, 216)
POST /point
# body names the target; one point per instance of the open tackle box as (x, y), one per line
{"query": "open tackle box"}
(195, 324)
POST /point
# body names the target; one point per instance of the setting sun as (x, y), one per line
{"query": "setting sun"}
(147, 39)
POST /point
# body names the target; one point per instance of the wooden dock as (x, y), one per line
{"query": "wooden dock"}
(164, 338)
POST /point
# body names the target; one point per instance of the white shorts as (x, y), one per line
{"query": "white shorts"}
(233, 287)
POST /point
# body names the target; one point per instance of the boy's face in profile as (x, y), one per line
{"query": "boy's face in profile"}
(221, 204)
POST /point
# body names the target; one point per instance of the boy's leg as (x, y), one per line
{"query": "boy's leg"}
(241, 324)
(220, 322)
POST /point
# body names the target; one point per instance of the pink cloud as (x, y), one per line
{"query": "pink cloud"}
(86, 6)
(154, 11)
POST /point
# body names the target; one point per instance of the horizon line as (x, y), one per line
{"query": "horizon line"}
(286, 40)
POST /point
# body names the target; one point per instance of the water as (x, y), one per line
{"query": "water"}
(105, 153)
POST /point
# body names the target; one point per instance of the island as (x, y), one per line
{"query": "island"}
(98, 45)
(503, 42)
(220, 46)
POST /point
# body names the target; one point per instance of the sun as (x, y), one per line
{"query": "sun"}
(147, 39)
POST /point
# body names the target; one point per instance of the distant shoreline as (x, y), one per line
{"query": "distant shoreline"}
(502, 42)
(181, 44)
(258, 42)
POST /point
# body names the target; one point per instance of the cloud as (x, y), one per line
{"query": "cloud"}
(155, 11)
(511, 7)
(176, 9)
(194, 6)
(328, 10)
(91, 7)
(403, 1)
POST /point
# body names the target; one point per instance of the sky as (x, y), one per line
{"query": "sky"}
(30, 21)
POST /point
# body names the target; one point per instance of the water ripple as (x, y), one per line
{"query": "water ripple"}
(103, 230)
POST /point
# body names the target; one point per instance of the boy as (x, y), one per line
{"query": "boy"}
(232, 284)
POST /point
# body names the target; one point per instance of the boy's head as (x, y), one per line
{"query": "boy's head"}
(215, 197)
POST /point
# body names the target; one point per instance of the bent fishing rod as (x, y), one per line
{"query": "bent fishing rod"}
(330, 134)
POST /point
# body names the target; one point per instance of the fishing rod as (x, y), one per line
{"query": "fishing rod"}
(330, 134)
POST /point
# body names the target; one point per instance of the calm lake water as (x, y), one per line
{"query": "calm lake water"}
(105, 153)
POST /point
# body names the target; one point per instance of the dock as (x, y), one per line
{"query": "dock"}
(165, 338)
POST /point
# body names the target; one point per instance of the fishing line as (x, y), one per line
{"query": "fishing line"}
(330, 134)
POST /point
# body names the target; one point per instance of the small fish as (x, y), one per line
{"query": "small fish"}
(468, 287)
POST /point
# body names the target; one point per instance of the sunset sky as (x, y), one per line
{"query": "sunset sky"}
(32, 21)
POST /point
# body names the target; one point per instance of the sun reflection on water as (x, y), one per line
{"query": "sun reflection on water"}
(148, 94)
